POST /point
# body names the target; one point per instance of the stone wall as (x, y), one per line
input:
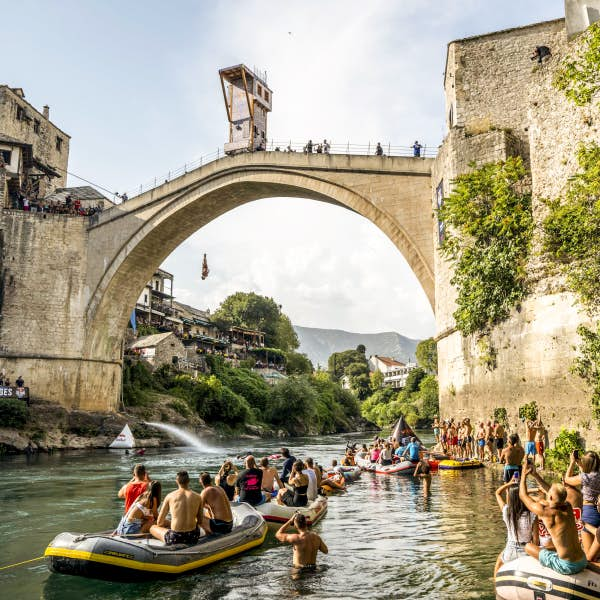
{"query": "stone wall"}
(42, 330)
(535, 347)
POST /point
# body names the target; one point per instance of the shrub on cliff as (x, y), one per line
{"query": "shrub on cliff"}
(13, 413)
(557, 458)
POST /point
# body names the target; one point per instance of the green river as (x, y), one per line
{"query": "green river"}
(386, 540)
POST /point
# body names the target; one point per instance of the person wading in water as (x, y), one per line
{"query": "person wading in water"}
(306, 544)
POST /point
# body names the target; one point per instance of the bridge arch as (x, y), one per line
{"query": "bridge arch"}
(138, 235)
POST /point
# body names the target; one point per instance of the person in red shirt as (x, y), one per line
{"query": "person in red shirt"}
(136, 486)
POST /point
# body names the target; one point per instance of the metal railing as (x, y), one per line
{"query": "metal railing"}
(347, 148)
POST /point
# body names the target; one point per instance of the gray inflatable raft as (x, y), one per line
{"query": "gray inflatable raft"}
(104, 556)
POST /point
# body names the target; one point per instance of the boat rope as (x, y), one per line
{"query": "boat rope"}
(23, 562)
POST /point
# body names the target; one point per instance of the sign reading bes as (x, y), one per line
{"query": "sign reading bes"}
(21, 393)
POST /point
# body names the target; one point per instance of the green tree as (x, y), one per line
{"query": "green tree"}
(578, 75)
(298, 364)
(428, 398)
(488, 242)
(361, 348)
(376, 380)
(293, 404)
(360, 382)
(247, 309)
(338, 362)
(413, 380)
(427, 355)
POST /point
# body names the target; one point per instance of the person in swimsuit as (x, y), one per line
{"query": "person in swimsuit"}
(512, 457)
(568, 557)
(226, 478)
(186, 508)
(481, 441)
(499, 434)
(142, 513)
(423, 471)
(218, 518)
(305, 544)
(489, 438)
(436, 429)
(540, 438)
(385, 457)
(270, 477)
(469, 438)
(299, 481)
(530, 444)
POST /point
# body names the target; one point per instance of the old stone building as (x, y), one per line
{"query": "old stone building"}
(40, 148)
(159, 349)
(500, 102)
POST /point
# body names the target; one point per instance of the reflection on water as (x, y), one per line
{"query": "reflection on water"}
(385, 538)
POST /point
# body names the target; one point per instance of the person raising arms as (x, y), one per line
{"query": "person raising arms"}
(306, 544)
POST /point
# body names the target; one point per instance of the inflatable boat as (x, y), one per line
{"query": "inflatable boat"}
(136, 558)
(334, 484)
(275, 513)
(526, 579)
(458, 464)
(403, 466)
(350, 473)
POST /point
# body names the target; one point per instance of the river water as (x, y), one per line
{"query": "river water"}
(386, 540)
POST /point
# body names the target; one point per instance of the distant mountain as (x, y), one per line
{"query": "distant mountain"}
(320, 344)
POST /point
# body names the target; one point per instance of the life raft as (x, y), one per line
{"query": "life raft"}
(403, 466)
(136, 558)
(458, 464)
(276, 513)
(525, 579)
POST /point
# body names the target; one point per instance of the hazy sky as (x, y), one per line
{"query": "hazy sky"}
(136, 86)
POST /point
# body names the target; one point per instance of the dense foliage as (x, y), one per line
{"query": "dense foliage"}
(572, 229)
(528, 412)
(557, 458)
(418, 401)
(229, 397)
(579, 76)
(488, 242)
(426, 354)
(247, 309)
(298, 364)
(13, 413)
(354, 365)
(587, 364)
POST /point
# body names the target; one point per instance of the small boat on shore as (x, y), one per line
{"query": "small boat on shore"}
(398, 468)
(526, 579)
(136, 558)
(276, 513)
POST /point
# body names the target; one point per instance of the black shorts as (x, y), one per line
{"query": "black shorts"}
(220, 527)
(182, 537)
(499, 443)
(293, 500)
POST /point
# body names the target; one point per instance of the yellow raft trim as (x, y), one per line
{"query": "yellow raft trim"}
(560, 588)
(157, 568)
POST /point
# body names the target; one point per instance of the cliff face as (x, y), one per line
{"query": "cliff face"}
(319, 344)
(502, 104)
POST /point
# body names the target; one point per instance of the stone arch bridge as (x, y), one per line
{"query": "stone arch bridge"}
(70, 284)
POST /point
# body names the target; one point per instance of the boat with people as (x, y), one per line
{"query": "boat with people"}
(526, 579)
(459, 464)
(137, 557)
(397, 468)
(273, 512)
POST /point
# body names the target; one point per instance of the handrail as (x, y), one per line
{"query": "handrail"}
(368, 149)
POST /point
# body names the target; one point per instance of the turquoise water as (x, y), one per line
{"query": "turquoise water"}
(385, 538)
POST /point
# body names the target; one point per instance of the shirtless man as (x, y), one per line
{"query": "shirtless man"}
(468, 438)
(216, 504)
(489, 439)
(530, 444)
(540, 440)
(186, 508)
(499, 434)
(270, 476)
(568, 557)
(306, 544)
(452, 437)
(512, 457)
(422, 470)
(481, 441)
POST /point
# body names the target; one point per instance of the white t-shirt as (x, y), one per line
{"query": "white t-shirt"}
(523, 533)
(311, 492)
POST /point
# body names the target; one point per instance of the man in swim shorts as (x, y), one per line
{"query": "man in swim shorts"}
(216, 504)
(530, 444)
(540, 438)
(568, 557)
(305, 543)
(186, 508)
(512, 457)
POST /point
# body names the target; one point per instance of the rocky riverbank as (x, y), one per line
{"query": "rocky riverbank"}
(51, 427)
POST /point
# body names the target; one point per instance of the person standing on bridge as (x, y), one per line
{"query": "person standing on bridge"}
(326, 146)
(309, 147)
(378, 150)
(417, 149)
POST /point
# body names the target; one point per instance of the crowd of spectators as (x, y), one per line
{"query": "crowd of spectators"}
(71, 206)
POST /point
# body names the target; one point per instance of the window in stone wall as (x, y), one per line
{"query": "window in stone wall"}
(36, 126)
(20, 113)
(6, 155)
(59, 143)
